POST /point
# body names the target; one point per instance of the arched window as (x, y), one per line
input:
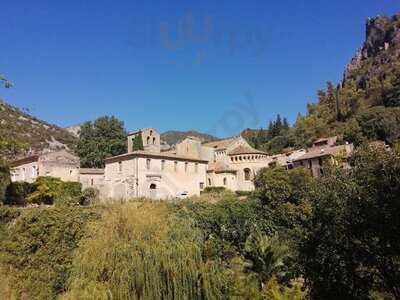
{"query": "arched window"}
(153, 186)
(148, 140)
(151, 132)
(148, 162)
(225, 180)
(154, 140)
(247, 174)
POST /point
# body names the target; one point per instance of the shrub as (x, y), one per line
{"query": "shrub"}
(17, 193)
(89, 196)
(214, 189)
(140, 251)
(37, 249)
(4, 179)
(50, 190)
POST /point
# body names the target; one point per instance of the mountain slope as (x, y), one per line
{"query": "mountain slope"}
(364, 106)
(20, 132)
(172, 137)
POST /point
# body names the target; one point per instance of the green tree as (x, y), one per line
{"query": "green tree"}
(105, 137)
(137, 143)
(5, 179)
(352, 246)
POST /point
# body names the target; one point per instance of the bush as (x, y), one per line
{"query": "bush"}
(50, 190)
(4, 179)
(17, 193)
(140, 251)
(214, 189)
(37, 247)
(89, 196)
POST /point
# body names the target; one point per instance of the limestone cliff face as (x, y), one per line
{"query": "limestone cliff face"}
(381, 47)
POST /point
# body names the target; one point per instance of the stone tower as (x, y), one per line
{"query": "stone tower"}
(150, 138)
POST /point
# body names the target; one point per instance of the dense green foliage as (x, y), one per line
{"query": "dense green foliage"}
(36, 249)
(5, 179)
(50, 190)
(17, 193)
(105, 137)
(352, 245)
(137, 143)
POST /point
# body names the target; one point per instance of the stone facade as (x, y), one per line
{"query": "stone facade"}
(322, 152)
(153, 174)
(59, 164)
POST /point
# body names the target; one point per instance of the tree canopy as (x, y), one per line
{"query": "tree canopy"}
(105, 137)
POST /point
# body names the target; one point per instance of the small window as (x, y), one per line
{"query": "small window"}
(209, 181)
(70, 172)
(201, 185)
(148, 162)
(309, 164)
(120, 166)
(225, 181)
(186, 166)
(148, 140)
(247, 174)
(175, 166)
(162, 164)
(154, 140)
(91, 181)
(196, 167)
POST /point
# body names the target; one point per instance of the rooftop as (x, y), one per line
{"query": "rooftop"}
(320, 152)
(141, 153)
(241, 149)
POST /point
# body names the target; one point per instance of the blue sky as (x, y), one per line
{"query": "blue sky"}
(214, 66)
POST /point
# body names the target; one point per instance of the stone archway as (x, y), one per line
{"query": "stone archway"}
(153, 191)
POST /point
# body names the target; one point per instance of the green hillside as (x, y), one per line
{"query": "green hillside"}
(364, 106)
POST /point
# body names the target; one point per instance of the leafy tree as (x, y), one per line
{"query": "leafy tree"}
(5, 179)
(137, 143)
(351, 248)
(380, 123)
(105, 137)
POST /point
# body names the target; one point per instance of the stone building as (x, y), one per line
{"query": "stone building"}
(323, 151)
(60, 164)
(152, 173)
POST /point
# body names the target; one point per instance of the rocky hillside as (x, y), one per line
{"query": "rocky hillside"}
(364, 106)
(173, 137)
(20, 132)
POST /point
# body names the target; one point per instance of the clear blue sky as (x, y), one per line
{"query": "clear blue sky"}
(215, 66)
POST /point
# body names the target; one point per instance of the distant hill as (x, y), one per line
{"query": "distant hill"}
(173, 137)
(18, 127)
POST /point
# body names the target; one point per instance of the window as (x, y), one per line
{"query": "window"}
(148, 162)
(225, 181)
(186, 166)
(91, 181)
(196, 167)
(247, 174)
(175, 166)
(70, 172)
(209, 182)
(320, 161)
(162, 164)
(34, 171)
(148, 140)
(201, 185)
(309, 164)
(151, 132)
(154, 140)
(120, 166)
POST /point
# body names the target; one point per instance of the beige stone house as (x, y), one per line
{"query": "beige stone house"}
(60, 164)
(152, 173)
(324, 150)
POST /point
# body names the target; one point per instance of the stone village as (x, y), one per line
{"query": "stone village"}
(183, 171)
